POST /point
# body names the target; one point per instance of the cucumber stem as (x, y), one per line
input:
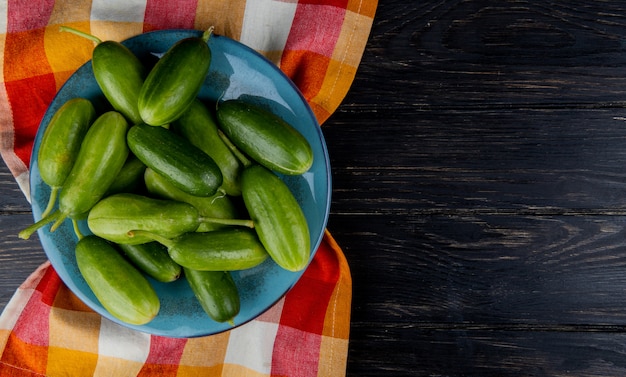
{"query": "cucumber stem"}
(220, 196)
(92, 38)
(233, 148)
(236, 222)
(58, 222)
(207, 34)
(54, 191)
(79, 234)
(153, 236)
(27, 232)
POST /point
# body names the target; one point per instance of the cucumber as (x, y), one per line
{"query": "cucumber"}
(115, 216)
(153, 259)
(199, 126)
(130, 177)
(61, 142)
(118, 72)
(102, 154)
(175, 80)
(175, 158)
(265, 137)
(101, 157)
(121, 289)
(216, 206)
(120, 76)
(220, 250)
(278, 218)
(217, 293)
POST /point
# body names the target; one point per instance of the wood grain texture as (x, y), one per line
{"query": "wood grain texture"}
(479, 191)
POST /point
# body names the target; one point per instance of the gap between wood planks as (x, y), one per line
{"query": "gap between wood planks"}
(540, 211)
(525, 327)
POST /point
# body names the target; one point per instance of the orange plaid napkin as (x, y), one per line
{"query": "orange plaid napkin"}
(45, 330)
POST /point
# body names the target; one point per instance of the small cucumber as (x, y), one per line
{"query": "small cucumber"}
(265, 137)
(153, 259)
(175, 80)
(217, 293)
(119, 74)
(174, 157)
(115, 216)
(100, 159)
(61, 142)
(217, 206)
(198, 125)
(130, 177)
(278, 218)
(220, 250)
(121, 289)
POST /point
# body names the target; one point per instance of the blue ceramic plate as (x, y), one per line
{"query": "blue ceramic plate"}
(236, 72)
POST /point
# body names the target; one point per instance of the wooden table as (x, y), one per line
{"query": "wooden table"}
(479, 167)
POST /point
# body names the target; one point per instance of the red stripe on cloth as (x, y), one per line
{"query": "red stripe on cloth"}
(49, 286)
(313, 291)
(29, 100)
(316, 28)
(296, 354)
(30, 86)
(32, 326)
(28, 14)
(166, 14)
(335, 3)
(298, 340)
(164, 357)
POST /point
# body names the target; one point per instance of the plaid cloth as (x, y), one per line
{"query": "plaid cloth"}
(45, 330)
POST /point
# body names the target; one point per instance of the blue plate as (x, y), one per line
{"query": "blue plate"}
(236, 72)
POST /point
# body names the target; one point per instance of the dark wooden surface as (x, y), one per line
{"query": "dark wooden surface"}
(479, 191)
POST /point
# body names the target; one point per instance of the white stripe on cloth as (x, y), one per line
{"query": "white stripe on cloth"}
(121, 351)
(118, 10)
(4, 17)
(266, 24)
(252, 346)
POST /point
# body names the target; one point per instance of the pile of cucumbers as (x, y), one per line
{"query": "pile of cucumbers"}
(169, 187)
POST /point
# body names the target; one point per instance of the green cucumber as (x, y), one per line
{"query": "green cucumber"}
(174, 157)
(100, 159)
(153, 259)
(61, 142)
(278, 217)
(115, 216)
(119, 74)
(175, 80)
(216, 206)
(130, 177)
(217, 293)
(265, 137)
(220, 250)
(198, 125)
(121, 289)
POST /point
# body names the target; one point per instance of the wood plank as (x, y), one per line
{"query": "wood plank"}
(476, 53)
(486, 269)
(554, 160)
(422, 351)
(18, 258)
(12, 198)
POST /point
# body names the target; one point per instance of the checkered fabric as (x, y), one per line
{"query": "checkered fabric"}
(45, 330)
